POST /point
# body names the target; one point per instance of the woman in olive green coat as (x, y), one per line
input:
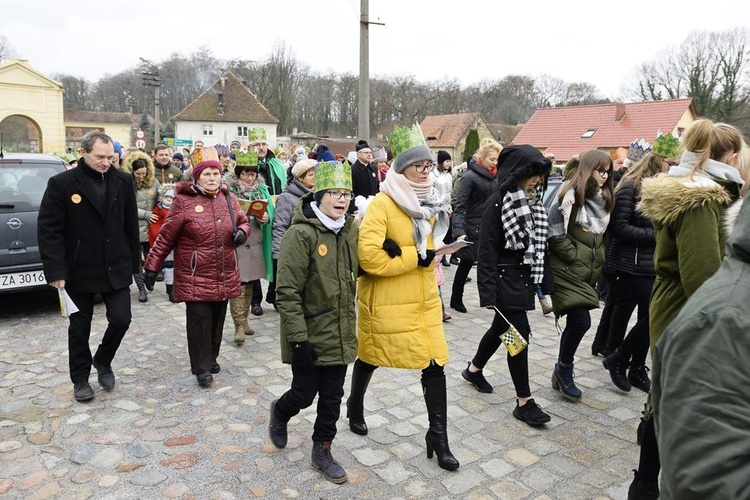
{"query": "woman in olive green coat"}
(578, 217)
(686, 207)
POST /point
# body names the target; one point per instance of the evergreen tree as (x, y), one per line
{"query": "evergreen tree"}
(472, 144)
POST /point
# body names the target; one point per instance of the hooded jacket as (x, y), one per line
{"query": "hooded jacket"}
(686, 214)
(169, 173)
(400, 320)
(701, 382)
(146, 193)
(316, 287)
(496, 264)
(199, 230)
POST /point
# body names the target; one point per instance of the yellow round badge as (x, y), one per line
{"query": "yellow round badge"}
(199, 208)
(76, 198)
(322, 250)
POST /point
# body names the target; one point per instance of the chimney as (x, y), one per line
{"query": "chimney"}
(619, 111)
(294, 130)
(223, 81)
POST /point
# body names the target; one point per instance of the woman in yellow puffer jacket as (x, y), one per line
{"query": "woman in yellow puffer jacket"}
(400, 320)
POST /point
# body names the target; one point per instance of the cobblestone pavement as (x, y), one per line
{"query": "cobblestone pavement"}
(158, 435)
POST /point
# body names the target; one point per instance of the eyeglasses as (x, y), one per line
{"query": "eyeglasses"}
(341, 195)
(423, 168)
(602, 173)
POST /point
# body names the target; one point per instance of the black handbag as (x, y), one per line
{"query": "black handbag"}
(231, 216)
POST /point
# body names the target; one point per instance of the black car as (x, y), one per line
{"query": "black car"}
(23, 180)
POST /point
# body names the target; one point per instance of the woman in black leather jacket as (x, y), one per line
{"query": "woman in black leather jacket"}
(477, 184)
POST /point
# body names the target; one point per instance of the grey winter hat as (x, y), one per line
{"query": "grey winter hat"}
(411, 155)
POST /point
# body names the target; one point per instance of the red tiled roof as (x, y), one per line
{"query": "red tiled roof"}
(559, 130)
(447, 130)
(240, 105)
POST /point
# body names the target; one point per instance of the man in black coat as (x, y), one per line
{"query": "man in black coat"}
(88, 241)
(364, 174)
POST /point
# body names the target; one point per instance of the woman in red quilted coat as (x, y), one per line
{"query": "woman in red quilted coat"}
(203, 236)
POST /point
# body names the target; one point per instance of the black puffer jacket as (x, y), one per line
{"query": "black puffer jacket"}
(477, 185)
(632, 245)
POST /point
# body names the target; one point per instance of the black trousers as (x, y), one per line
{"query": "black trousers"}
(205, 322)
(578, 323)
(636, 343)
(325, 381)
(518, 364)
(605, 321)
(117, 303)
(433, 371)
(459, 279)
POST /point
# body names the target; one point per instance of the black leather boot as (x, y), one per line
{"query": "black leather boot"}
(617, 366)
(140, 282)
(437, 411)
(355, 405)
(638, 377)
(642, 490)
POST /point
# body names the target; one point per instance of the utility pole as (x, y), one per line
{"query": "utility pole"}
(363, 107)
(151, 79)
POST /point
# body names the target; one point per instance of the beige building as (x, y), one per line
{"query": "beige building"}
(448, 132)
(28, 94)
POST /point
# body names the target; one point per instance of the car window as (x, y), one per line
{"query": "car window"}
(22, 187)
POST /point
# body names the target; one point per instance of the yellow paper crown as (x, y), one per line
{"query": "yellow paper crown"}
(201, 155)
(256, 134)
(403, 138)
(246, 158)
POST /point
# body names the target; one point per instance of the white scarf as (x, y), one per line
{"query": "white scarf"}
(334, 225)
(593, 215)
(711, 168)
(421, 202)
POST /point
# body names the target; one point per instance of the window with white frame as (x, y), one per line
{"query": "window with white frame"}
(242, 131)
(208, 130)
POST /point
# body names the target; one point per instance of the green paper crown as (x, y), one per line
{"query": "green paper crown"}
(403, 138)
(333, 175)
(256, 134)
(246, 158)
(667, 146)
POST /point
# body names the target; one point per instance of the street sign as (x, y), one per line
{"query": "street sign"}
(183, 143)
(140, 134)
(140, 144)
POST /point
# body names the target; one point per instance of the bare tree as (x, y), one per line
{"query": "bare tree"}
(6, 49)
(711, 68)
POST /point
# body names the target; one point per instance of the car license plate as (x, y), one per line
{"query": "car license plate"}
(21, 280)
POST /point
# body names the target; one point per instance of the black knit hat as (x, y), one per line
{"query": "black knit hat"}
(361, 144)
(442, 156)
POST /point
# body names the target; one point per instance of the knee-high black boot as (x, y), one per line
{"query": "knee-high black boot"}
(355, 405)
(437, 411)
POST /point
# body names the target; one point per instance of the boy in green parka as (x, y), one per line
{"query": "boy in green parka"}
(316, 294)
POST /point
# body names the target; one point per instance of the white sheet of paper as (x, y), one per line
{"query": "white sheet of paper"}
(69, 304)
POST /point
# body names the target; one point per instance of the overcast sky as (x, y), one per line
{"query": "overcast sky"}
(599, 42)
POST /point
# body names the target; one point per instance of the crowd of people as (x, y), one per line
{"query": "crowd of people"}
(351, 249)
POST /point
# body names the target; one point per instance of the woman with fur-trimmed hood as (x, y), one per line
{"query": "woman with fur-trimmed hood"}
(686, 207)
(141, 167)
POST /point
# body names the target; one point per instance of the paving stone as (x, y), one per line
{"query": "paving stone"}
(32, 480)
(82, 454)
(461, 482)
(148, 478)
(139, 450)
(370, 457)
(510, 489)
(497, 468)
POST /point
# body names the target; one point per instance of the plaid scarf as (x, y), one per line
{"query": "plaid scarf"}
(525, 225)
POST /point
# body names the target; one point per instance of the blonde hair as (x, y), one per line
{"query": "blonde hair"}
(487, 146)
(580, 170)
(743, 165)
(709, 140)
(648, 166)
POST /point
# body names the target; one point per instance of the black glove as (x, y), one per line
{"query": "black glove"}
(239, 237)
(149, 277)
(303, 356)
(391, 248)
(427, 260)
